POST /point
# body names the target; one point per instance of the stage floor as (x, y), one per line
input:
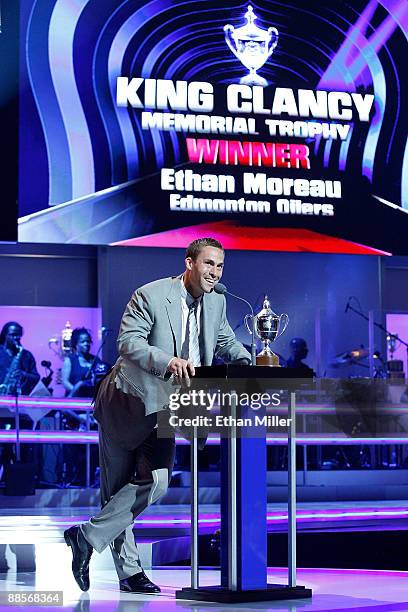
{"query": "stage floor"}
(339, 590)
(31, 541)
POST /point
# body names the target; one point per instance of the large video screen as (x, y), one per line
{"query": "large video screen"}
(270, 125)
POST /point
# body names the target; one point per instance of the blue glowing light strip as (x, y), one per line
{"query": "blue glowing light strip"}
(214, 519)
(75, 437)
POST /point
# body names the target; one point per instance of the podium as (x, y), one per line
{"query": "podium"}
(244, 498)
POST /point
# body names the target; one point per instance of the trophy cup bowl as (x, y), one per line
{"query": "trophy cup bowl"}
(268, 327)
(252, 46)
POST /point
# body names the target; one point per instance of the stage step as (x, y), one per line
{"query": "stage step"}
(37, 554)
(34, 537)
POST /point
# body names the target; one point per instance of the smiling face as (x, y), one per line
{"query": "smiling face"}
(204, 273)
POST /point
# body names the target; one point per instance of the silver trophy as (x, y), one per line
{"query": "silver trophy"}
(252, 46)
(268, 327)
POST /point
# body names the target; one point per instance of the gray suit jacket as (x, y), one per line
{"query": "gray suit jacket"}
(150, 335)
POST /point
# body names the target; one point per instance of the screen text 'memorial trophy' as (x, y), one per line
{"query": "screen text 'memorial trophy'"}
(252, 46)
(268, 327)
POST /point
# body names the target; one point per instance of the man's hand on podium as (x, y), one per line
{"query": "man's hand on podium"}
(242, 361)
(182, 369)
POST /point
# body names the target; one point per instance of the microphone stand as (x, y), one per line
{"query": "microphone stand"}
(17, 393)
(384, 329)
(253, 341)
(17, 425)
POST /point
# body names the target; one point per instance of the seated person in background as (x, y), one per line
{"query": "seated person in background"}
(77, 376)
(18, 371)
(298, 352)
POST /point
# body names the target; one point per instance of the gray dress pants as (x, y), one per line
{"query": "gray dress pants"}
(131, 480)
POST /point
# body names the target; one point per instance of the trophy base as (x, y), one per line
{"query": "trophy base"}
(269, 359)
(253, 79)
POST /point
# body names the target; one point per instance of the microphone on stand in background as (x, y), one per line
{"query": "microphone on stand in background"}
(46, 380)
(356, 308)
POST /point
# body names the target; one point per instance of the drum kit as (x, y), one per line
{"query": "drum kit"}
(360, 357)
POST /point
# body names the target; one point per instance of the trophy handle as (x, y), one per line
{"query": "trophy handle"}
(229, 29)
(274, 34)
(285, 318)
(246, 319)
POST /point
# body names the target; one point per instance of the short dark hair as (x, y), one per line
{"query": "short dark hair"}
(195, 247)
(5, 330)
(77, 332)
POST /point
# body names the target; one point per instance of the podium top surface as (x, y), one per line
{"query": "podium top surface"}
(233, 371)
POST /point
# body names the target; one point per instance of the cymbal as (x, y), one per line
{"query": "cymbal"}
(350, 357)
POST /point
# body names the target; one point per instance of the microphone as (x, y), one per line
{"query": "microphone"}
(222, 290)
(46, 364)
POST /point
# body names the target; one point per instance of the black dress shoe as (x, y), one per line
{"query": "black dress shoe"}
(138, 583)
(81, 554)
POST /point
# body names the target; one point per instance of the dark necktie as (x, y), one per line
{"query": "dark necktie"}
(191, 345)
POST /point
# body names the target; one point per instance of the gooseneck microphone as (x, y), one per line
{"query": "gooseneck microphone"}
(221, 289)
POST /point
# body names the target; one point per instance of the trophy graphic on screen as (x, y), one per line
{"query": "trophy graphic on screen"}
(252, 46)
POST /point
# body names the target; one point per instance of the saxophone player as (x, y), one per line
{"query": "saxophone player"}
(18, 371)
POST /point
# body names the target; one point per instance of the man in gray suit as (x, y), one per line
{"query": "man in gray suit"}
(169, 326)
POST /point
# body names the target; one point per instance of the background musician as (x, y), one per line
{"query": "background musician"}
(18, 371)
(18, 375)
(298, 352)
(78, 369)
(80, 373)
